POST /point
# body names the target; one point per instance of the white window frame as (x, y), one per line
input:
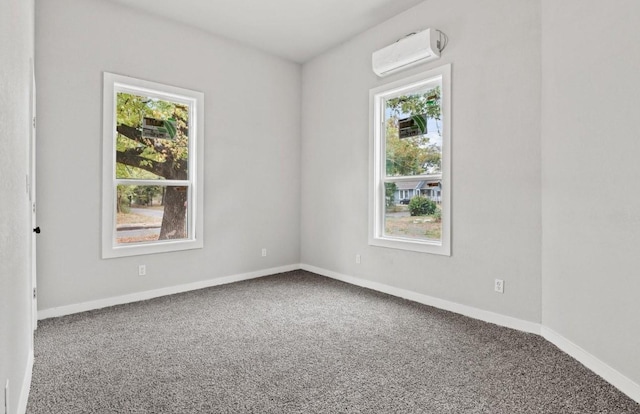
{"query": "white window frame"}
(377, 161)
(195, 101)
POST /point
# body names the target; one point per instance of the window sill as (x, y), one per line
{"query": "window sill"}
(431, 247)
(150, 248)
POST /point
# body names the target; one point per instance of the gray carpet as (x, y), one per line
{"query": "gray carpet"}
(301, 343)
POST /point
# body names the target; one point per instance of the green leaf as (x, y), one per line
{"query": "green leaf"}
(421, 122)
(171, 127)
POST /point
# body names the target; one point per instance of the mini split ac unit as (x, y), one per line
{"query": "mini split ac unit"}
(409, 51)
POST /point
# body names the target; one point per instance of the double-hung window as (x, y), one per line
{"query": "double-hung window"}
(411, 155)
(152, 167)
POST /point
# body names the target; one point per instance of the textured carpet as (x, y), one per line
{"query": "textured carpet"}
(301, 343)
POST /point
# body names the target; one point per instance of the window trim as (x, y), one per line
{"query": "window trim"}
(377, 164)
(112, 84)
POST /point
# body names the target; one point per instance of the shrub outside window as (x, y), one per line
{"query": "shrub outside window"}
(152, 167)
(411, 162)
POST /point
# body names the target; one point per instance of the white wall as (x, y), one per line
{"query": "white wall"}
(252, 146)
(16, 49)
(590, 166)
(494, 49)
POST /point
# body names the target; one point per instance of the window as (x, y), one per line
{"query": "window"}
(411, 152)
(405, 194)
(152, 167)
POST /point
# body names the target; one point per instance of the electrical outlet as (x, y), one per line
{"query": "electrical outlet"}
(142, 270)
(264, 252)
(358, 259)
(499, 286)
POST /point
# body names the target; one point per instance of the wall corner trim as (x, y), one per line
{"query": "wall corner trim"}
(150, 294)
(609, 374)
(483, 315)
(26, 385)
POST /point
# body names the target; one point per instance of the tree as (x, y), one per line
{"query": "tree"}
(141, 157)
(389, 193)
(414, 155)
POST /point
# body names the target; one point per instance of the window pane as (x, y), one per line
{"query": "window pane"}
(147, 213)
(413, 210)
(152, 139)
(413, 132)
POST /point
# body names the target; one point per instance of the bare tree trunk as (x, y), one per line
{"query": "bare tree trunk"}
(174, 220)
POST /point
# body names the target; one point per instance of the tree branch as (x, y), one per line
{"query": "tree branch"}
(130, 132)
(170, 169)
(132, 158)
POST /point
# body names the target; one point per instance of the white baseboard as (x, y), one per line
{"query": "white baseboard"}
(150, 294)
(26, 386)
(609, 374)
(483, 315)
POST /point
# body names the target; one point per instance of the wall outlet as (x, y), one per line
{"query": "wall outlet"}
(264, 252)
(358, 259)
(142, 270)
(499, 286)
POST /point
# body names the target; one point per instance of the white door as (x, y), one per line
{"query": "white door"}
(32, 198)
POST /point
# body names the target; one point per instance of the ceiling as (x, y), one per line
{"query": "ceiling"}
(297, 30)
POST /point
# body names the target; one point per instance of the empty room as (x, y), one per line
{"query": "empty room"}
(314, 206)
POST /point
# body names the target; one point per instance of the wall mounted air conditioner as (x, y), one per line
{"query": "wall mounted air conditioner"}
(411, 50)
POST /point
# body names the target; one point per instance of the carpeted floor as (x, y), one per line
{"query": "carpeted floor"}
(301, 343)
